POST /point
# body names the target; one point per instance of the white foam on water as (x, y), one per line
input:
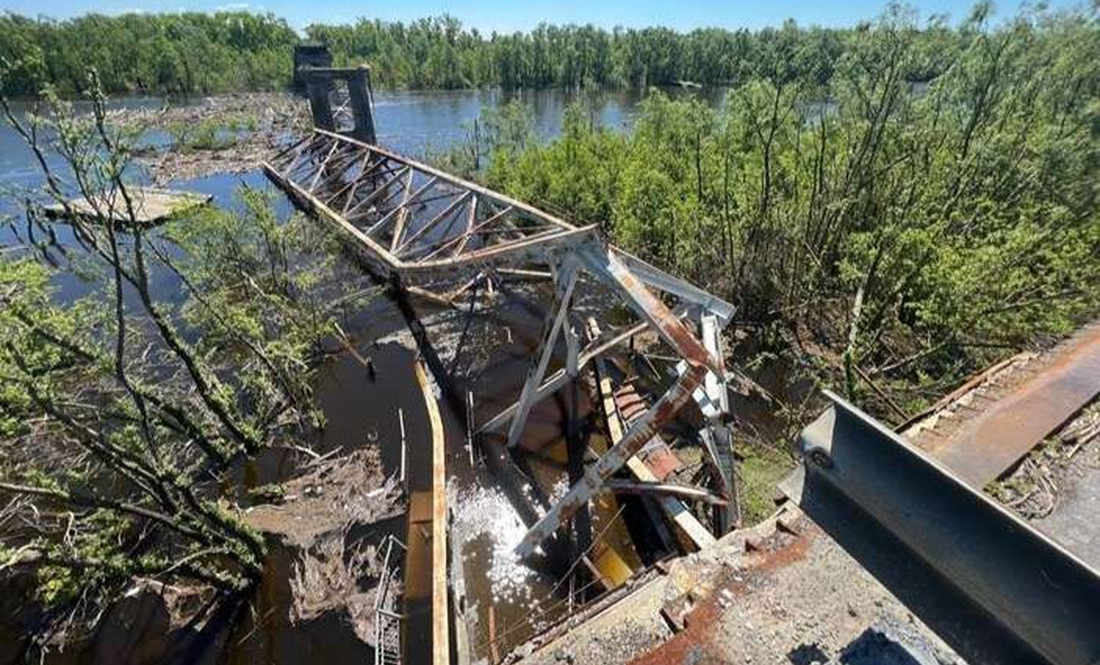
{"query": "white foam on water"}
(487, 513)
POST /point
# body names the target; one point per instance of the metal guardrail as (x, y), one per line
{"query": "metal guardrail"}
(387, 621)
(994, 587)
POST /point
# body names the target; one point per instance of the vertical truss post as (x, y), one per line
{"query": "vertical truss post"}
(728, 517)
(319, 105)
(572, 350)
(362, 108)
(565, 278)
(713, 400)
(576, 445)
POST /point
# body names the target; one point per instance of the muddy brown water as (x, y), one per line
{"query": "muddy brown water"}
(361, 409)
(490, 499)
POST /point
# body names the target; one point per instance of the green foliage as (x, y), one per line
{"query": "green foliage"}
(440, 53)
(964, 211)
(265, 287)
(58, 585)
(25, 292)
(270, 493)
(121, 412)
(759, 471)
(210, 133)
(198, 53)
(185, 53)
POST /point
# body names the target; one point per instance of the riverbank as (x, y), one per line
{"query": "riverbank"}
(777, 366)
(215, 135)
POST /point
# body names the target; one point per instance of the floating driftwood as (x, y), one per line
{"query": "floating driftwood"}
(151, 206)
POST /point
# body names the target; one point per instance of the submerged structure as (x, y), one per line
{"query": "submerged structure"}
(438, 237)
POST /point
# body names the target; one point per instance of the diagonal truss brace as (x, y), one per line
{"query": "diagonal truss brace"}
(412, 222)
(564, 282)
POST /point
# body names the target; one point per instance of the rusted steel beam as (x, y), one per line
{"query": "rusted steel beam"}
(462, 240)
(649, 307)
(406, 191)
(553, 384)
(378, 256)
(347, 188)
(364, 173)
(529, 248)
(295, 147)
(519, 274)
(672, 507)
(512, 217)
(403, 216)
(995, 440)
(517, 251)
(388, 193)
(662, 281)
(336, 162)
(471, 219)
(431, 223)
(614, 459)
(1027, 589)
(380, 191)
(296, 156)
(483, 192)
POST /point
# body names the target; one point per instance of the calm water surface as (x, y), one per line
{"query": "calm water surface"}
(412, 122)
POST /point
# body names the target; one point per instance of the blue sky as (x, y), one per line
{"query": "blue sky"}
(509, 15)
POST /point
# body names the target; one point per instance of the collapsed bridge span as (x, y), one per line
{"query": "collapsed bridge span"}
(440, 236)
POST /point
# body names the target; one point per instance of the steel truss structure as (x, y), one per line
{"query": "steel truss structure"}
(899, 513)
(437, 236)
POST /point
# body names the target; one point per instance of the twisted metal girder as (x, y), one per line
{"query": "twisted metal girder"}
(415, 224)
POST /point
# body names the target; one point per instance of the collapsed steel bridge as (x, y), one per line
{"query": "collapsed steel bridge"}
(439, 236)
(991, 585)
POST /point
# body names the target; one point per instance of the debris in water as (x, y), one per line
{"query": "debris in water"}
(487, 514)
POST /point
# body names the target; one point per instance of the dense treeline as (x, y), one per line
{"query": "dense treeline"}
(226, 51)
(899, 234)
(146, 53)
(432, 53)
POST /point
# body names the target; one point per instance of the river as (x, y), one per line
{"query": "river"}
(488, 524)
(410, 122)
